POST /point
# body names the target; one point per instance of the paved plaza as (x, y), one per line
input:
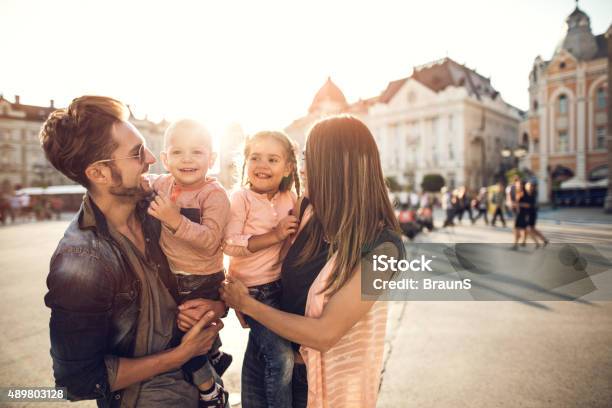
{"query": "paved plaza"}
(438, 354)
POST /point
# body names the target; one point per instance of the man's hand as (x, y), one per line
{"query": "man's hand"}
(192, 310)
(199, 339)
(166, 211)
(286, 227)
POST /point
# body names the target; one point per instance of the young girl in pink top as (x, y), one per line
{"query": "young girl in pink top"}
(341, 326)
(260, 221)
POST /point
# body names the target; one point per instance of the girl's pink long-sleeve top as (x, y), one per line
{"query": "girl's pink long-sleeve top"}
(255, 214)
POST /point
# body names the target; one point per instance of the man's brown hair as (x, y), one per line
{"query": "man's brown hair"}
(80, 135)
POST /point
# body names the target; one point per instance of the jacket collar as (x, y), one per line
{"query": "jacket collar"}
(91, 217)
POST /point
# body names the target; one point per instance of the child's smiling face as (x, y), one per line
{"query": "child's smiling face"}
(188, 157)
(266, 165)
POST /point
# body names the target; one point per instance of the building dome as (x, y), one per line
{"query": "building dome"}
(329, 99)
(579, 39)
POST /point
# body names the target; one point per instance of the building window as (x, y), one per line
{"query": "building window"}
(562, 65)
(601, 98)
(563, 104)
(600, 137)
(535, 105)
(450, 122)
(563, 142)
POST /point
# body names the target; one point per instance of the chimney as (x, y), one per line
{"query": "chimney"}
(51, 103)
(16, 99)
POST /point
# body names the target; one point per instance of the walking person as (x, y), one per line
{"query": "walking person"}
(14, 207)
(511, 197)
(481, 204)
(521, 222)
(531, 194)
(448, 207)
(4, 207)
(458, 203)
(415, 200)
(466, 202)
(498, 203)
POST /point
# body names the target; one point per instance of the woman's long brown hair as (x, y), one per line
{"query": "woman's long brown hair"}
(348, 194)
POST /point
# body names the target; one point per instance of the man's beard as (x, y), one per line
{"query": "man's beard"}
(136, 193)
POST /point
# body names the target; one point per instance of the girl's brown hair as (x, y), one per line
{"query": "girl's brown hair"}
(289, 148)
(348, 194)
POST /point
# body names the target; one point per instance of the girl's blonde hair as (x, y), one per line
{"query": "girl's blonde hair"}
(348, 194)
(289, 148)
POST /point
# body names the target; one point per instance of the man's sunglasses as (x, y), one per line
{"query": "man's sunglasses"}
(141, 156)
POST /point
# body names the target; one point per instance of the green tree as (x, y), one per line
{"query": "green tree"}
(432, 182)
(393, 184)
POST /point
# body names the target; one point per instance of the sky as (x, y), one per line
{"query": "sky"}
(260, 63)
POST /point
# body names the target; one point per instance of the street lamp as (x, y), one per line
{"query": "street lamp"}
(516, 154)
(520, 152)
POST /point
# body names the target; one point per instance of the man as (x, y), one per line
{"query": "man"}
(112, 298)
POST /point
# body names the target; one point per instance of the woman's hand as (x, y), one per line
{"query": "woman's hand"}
(234, 293)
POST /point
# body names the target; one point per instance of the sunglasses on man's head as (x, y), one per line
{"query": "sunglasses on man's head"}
(140, 156)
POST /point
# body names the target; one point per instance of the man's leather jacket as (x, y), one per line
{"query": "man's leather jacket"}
(94, 298)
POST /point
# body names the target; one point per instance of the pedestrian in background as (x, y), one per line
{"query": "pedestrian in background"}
(521, 222)
(511, 198)
(498, 203)
(532, 215)
(414, 200)
(448, 207)
(481, 204)
(14, 207)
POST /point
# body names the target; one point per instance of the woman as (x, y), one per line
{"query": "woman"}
(350, 213)
(531, 194)
(522, 217)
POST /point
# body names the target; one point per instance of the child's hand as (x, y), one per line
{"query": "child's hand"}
(166, 211)
(286, 227)
(146, 182)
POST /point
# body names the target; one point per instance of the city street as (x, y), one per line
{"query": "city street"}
(439, 354)
(504, 354)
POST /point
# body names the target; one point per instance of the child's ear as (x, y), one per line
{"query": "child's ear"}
(288, 169)
(164, 159)
(211, 159)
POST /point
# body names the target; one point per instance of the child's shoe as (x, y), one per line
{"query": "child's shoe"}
(220, 362)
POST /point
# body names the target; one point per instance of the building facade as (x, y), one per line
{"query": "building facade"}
(567, 118)
(328, 101)
(22, 160)
(445, 119)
